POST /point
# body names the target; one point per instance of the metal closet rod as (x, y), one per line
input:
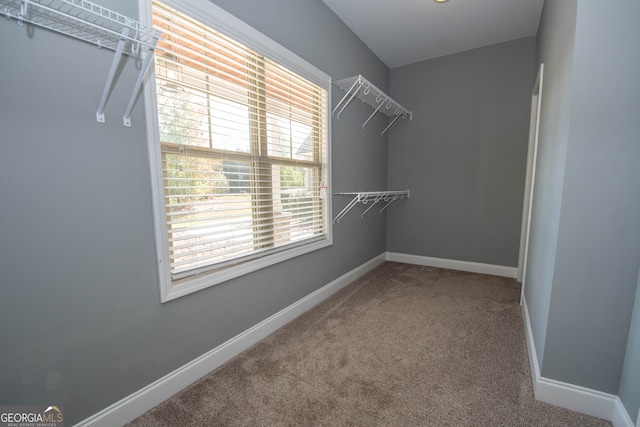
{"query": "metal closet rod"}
(368, 93)
(90, 22)
(373, 197)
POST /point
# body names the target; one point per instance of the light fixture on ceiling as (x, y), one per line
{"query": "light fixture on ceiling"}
(440, 1)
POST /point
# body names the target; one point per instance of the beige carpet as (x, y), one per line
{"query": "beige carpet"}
(402, 346)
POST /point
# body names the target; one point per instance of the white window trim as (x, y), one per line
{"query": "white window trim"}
(219, 19)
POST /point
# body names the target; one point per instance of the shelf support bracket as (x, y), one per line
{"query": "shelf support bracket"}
(126, 119)
(347, 208)
(393, 199)
(23, 12)
(374, 113)
(350, 99)
(344, 97)
(112, 72)
(375, 202)
(392, 122)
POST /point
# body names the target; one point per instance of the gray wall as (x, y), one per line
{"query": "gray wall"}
(82, 323)
(598, 249)
(555, 44)
(586, 243)
(630, 380)
(463, 155)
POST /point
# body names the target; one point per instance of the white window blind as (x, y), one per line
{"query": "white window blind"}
(244, 147)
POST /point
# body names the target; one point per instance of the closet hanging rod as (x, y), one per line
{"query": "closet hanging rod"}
(90, 22)
(373, 197)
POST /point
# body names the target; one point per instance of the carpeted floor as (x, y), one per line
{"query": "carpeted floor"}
(402, 346)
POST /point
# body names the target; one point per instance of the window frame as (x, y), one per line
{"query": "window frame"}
(222, 21)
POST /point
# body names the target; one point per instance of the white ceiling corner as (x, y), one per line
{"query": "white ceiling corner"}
(402, 32)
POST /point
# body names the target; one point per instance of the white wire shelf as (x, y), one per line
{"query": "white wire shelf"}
(90, 22)
(367, 92)
(83, 20)
(373, 197)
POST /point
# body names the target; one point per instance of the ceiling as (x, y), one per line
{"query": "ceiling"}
(402, 32)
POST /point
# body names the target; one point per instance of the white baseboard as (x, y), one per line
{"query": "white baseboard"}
(620, 416)
(150, 396)
(576, 398)
(472, 267)
(531, 345)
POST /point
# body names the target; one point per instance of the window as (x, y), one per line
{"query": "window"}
(239, 149)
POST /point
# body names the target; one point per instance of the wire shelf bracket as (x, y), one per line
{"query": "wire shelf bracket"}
(373, 197)
(367, 92)
(90, 22)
